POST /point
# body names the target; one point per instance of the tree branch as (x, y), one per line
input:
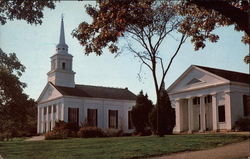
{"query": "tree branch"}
(234, 14)
(183, 39)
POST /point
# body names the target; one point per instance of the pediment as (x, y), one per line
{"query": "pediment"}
(49, 93)
(193, 81)
(195, 78)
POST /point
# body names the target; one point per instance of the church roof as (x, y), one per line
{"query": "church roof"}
(97, 92)
(229, 75)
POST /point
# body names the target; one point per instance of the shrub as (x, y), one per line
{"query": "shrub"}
(53, 135)
(88, 132)
(62, 130)
(66, 129)
(243, 124)
(113, 133)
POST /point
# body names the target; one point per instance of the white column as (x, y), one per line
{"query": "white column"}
(38, 120)
(62, 111)
(47, 119)
(42, 119)
(202, 114)
(215, 112)
(228, 110)
(190, 115)
(177, 116)
(57, 112)
(52, 116)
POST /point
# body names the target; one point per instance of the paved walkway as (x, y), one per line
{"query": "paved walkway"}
(232, 151)
(35, 138)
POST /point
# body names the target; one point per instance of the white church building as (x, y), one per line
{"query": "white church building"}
(209, 99)
(62, 99)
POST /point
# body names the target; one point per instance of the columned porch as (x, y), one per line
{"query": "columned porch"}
(196, 114)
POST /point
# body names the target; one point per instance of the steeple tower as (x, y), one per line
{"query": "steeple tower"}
(62, 47)
(61, 73)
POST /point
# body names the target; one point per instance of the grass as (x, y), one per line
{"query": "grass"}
(114, 148)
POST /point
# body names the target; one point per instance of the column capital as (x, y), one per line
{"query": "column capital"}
(201, 96)
(189, 97)
(177, 99)
(227, 92)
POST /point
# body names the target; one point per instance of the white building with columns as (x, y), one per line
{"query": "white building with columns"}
(62, 99)
(209, 99)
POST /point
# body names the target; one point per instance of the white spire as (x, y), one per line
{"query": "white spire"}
(62, 47)
(62, 37)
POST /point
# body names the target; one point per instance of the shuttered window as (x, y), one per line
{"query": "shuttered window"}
(54, 108)
(221, 109)
(92, 117)
(73, 115)
(113, 119)
(246, 105)
(196, 100)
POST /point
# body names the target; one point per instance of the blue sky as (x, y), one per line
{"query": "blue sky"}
(35, 44)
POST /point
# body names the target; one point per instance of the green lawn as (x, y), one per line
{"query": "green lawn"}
(119, 147)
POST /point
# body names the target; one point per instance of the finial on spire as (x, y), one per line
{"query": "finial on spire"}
(62, 47)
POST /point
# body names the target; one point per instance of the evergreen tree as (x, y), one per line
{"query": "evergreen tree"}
(140, 113)
(163, 116)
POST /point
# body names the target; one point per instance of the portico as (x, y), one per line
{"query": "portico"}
(197, 113)
(205, 101)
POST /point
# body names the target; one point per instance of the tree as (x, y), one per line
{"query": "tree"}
(158, 21)
(166, 115)
(140, 113)
(222, 13)
(111, 19)
(17, 112)
(28, 10)
(235, 10)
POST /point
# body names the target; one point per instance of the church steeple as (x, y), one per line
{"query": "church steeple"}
(62, 47)
(62, 36)
(61, 73)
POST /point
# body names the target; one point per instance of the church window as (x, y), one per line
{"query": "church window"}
(45, 127)
(221, 109)
(49, 126)
(92, 117)
(113, 119)
(44, 110)
(73, 115)
(208, 99)
(246, 105)
(49, 109)
(130, 124)
(54, 108)
(63, 65)
(196, 100)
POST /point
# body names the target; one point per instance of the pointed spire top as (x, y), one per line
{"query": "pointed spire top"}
(62, 36)
(62, 47)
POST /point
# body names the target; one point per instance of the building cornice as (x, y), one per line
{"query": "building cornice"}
(86, 98)
(199, 88)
